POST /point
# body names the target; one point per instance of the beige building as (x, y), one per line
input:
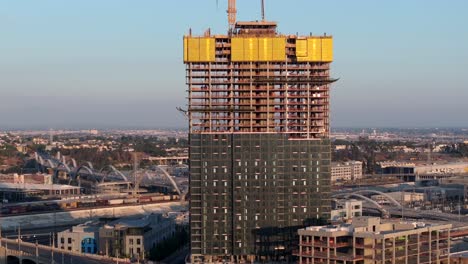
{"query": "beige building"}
(369, 240)
(82, 238)
(132, 237)
(346, 171)
(346, 209)
(402, 197)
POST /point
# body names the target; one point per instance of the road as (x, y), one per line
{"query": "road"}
(41, 235)
(58, 256)
(177, 257)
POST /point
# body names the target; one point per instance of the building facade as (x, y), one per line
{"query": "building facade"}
(368, 240)
(259, 140)
(81, 238)
(346, 209)
(133, 237)
(401, 197)
(346, 171)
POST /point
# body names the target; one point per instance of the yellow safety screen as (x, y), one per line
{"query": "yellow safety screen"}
(327, 49)
(198, 49)
(315, 49)
(301, 48)
(258, 49)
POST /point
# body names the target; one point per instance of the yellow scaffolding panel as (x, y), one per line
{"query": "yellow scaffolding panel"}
(314, 49)
(265, 49)
(185, 49)
(251, 49)
(207, 49)
(327, 49)
(193, 49)
(199, 49)
(258, 49)
(237, 49)
(279, 49)
(301, 48)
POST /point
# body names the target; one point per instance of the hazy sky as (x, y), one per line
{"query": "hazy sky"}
(116, 63)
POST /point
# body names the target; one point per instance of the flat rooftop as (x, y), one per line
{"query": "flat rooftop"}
(35, 186)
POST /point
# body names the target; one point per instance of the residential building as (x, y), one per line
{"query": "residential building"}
(346, 209)
(258, 108)
(369, 240)
(82, 238)
(132, 237)
(346, 171)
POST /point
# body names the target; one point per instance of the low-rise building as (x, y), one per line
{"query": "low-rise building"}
(132, 237)
(81, 238)
(401, 197)
(346, 171)
(422, 171)
(460, 182)
(459, 258)
(346, 209)
(369, 240)
(18, 192)
(441, 193)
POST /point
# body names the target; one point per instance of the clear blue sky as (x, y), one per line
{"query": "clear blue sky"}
(116, 63)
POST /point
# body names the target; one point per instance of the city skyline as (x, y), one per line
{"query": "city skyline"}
(103, 65)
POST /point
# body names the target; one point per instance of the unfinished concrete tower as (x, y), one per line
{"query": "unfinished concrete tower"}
(258, 106)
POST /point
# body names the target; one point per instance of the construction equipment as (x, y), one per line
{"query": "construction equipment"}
(232, 11)
(263, 10)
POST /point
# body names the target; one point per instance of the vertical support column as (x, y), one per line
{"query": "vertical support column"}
(383, 250)
(448, 239)
(419, 247)
(189, 73)
(394, 250)
(268, 98)
(232, 112)
(354, 246)
(308, 124)
(300, 249)
(430, 246)
(406, 249)
(252, 112)
(373, 248)
(312, 249)
(210, 99)
(438, 246)
(286, 96)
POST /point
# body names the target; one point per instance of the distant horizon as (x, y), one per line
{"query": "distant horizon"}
(81, 128)
(119, 63)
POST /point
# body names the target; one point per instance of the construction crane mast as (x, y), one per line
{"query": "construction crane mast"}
(263, 10)
(232, 11)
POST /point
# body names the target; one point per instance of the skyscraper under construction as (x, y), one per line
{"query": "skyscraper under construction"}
(259, 139)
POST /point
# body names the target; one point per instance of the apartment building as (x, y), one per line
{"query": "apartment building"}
(346, 171)
(371, 240)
